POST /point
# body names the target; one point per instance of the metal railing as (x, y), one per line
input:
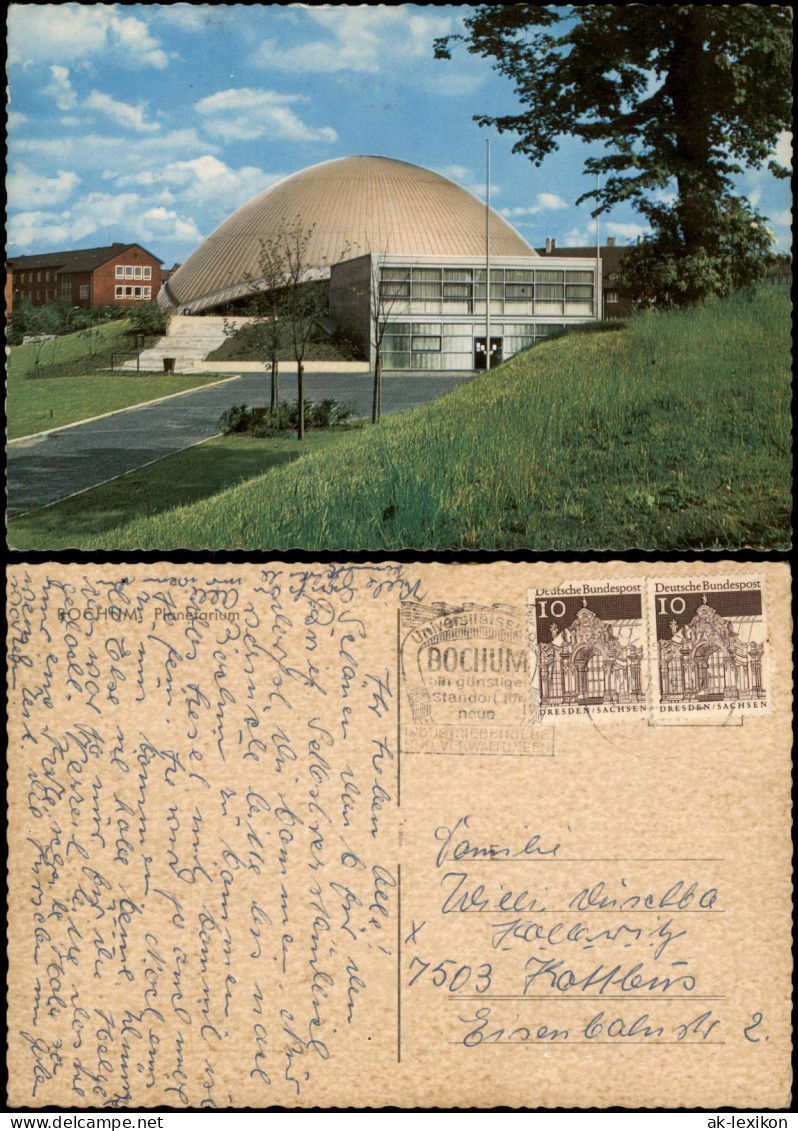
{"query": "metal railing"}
(126, 353)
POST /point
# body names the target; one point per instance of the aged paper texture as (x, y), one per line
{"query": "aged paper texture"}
(381, 835)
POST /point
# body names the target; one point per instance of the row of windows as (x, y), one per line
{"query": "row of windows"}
(436, 290)
(124, 271)
(34, 276)
(134, 292)
(66, 292)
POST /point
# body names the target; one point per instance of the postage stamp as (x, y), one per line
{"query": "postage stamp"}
(466, 680)
(709, 641)
(589, 642)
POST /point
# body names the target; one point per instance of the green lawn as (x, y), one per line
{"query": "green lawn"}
(34, 405)
(183, 478)
(91, 348)
(671, 434)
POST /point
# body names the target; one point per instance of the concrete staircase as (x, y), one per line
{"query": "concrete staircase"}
(189, 340)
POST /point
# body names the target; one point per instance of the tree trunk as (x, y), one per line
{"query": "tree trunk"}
(376, 405)
(300, 422)
(275, 392)
(691, 97)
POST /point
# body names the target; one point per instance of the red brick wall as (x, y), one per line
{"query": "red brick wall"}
(30, 285)
(77, 279)
(106, 282)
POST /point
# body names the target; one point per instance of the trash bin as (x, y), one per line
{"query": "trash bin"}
(168, 365)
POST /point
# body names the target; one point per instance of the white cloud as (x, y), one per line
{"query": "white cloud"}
(106, 216)
(39, 33)
(467, 179)
(546, 202)
(364, 38)
(550, 202)
(782, 219)
(94, 151)
(16, 119)
(783, 151)
(135, 42)
(49, 228)
(665, 196)
(159, 221)
(245, 113)
(59, 89)
(586, 237)
(627, 232)
(25, 187)
(120, 112)
(203, 181)
(190, 17)
(577, 237)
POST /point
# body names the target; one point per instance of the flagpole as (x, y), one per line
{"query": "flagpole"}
(598, 295)
(487, 255)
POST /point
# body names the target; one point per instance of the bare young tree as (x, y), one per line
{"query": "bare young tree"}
(384, 297)
(304, 300)
(269, 297)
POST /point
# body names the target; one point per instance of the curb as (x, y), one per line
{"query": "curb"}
(117, 411)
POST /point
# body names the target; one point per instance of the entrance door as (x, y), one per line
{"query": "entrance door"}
(481, 352)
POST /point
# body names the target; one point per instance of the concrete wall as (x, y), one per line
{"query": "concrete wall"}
(350, 289)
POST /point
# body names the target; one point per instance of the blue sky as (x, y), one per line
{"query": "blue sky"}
(152, 123)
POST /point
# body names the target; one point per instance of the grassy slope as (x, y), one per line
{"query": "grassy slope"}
(69, 347)
(179, 479)
(674, 433)
(245, 345)
(35, 405)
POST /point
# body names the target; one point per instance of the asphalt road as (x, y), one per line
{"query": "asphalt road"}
(47, 468)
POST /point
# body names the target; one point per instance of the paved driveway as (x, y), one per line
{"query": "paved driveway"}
(51, 467)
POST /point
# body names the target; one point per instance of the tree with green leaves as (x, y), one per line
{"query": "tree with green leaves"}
(681, 97)
(148, 318)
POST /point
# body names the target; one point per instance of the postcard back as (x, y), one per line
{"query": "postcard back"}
(410, 835)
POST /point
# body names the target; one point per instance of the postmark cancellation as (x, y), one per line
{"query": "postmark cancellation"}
(466, 676)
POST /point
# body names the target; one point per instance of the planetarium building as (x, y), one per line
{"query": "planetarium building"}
(406, 252)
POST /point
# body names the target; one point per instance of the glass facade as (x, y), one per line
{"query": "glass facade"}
(461, 290)
(450, 345)
(527, 304)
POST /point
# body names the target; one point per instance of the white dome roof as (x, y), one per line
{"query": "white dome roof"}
(355, 205)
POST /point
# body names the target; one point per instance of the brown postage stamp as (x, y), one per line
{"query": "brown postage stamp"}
(710, 645)
(588, 639)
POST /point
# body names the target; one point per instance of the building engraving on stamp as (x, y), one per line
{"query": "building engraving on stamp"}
(712, 654)
(590, 651)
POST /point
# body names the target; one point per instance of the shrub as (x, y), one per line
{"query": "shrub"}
(262, 423)
(234, 419)
(56, 318)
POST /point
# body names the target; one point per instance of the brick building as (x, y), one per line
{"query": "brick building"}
(96, 276)
(615, 302)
